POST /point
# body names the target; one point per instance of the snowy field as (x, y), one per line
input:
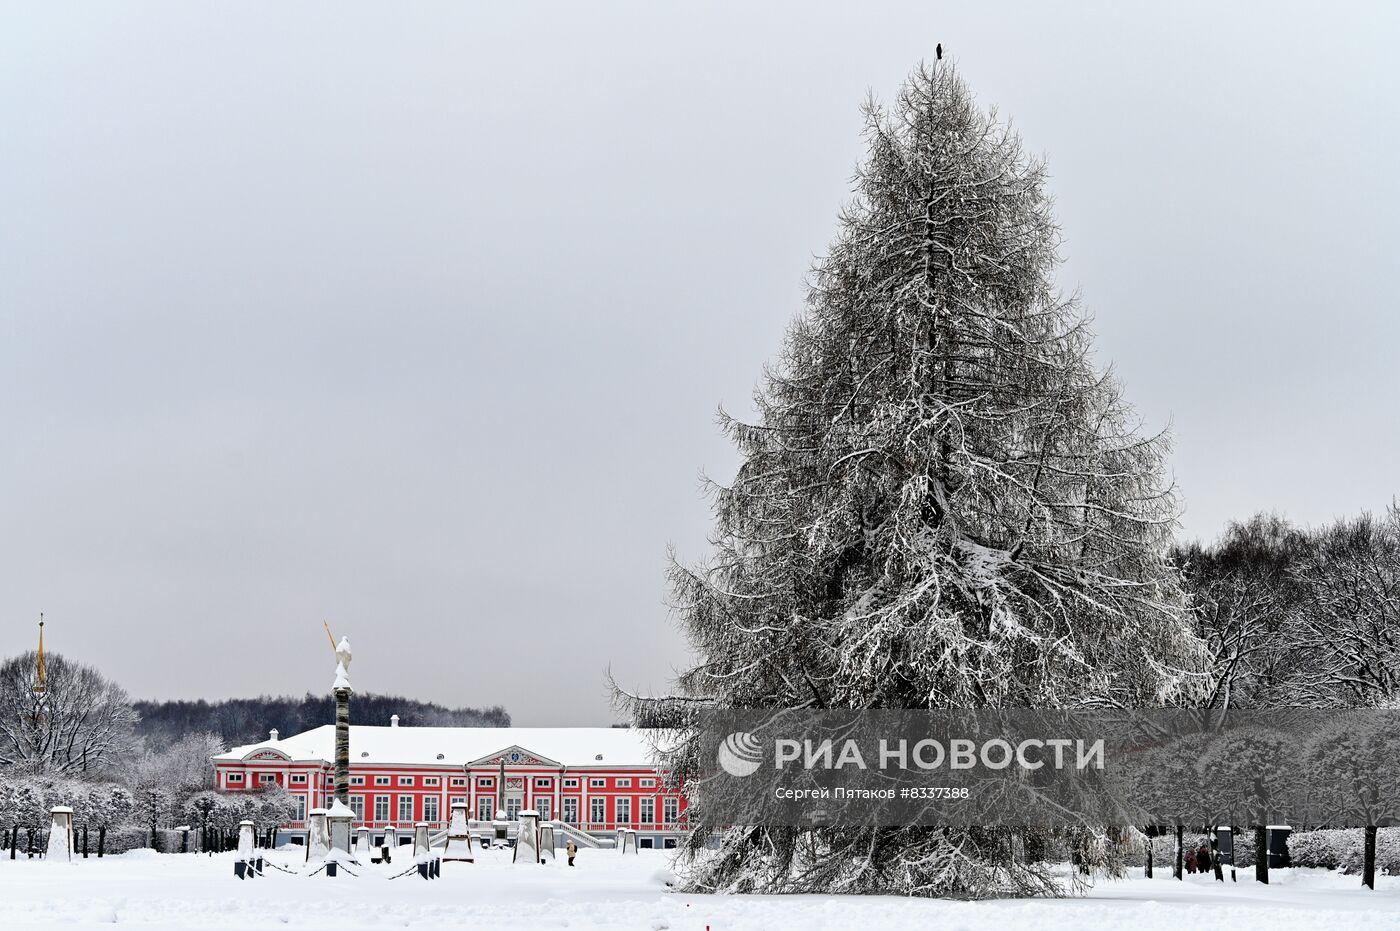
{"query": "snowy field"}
(145, 890)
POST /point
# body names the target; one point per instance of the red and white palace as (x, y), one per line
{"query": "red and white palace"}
(595, 778)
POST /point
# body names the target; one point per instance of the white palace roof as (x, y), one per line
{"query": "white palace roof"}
(435, 746)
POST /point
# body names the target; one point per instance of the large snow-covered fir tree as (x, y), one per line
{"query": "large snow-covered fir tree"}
(943, 503)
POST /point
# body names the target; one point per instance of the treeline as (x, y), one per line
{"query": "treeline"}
(1299, 617)
(247, 720)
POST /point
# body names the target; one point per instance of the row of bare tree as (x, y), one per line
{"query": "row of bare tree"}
(1300, 617)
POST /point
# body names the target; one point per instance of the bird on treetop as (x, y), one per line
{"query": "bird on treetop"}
(938, 52)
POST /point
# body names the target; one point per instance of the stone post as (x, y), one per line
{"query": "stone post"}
(60, 848)
(338, 820)
(246, 866)
(362, 842)
(459, 836)
(547, 841)
(420, 840)
(246, 841)
(318, 841)
(391, 841)
(527, 838)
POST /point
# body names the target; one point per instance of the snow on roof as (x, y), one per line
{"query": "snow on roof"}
(571, 746)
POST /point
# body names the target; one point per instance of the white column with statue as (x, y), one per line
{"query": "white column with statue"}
(340, 814)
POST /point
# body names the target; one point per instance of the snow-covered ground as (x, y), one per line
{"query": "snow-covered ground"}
(608, 890)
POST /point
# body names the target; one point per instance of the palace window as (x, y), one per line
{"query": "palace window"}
(647, 783)
(545, 807)
(543, 783)
(405, 780)
(624, 811)
(266, 779)
(670, 809)
(571, 810)
(457, 800)
(597, 810)
(381, 780)
(354, 780)
(299, 779)
(405, 808)
(299, 814)
(571, 783)
(485, 782)
(646, 810)
(357, 805)
(235, 777)
(513, 806)
(458, 781)
(431, 781)
(430, 808)
(624, 783)
(597, 783)
(485, 808)
(381, 808)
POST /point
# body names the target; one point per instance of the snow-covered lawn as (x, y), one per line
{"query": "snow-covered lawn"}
(608, 890)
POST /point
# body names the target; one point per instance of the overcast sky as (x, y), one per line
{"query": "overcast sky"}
(414, 317)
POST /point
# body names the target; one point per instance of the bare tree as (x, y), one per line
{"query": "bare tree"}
(182, 766)
(1245, 602)
(1349, 620)
(78, 723)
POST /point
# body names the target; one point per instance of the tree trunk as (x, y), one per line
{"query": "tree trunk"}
(1147, 871)
(1261, 854)
(101, 840)
(85, 842)
(1234, 851)
(1178, 860)
(29, 843)
(1368, 860)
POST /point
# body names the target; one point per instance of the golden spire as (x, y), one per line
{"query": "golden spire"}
(41, 687)
(327, 625)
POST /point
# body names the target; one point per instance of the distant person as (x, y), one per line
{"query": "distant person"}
(1190, 861)
(572, 850)
(1203, 858)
